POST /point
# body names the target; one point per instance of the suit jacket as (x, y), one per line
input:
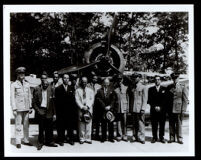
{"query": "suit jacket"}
(81, 101)
(121, 99)
(105, 100)
(21, 98)
(177, 98)
(137, 98)
(65, 101)
(37, 100)
(157, 98)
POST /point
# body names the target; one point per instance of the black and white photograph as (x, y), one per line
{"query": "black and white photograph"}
(98, 80)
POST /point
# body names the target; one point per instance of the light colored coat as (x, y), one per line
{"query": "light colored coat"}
(89, 101)
(180, 98)
(21, 98)
(122, 99)
(138, 98)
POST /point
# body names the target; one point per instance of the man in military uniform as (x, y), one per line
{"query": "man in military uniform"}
(137, 104)
(156, 99)
(177, 100)
(121, 107)
(21, 102)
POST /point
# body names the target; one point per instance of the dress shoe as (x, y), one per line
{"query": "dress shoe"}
(118, 139)
(51, 145)
(39, 147)
(112, 140)
(153, 140)
(89, 142)
(27, 143)
(162, 140)
(180, 142)
(61, 143)
(18, 146)
(102, 140)
(171, 141)
(81, 142)
(125, 138)
(143, 142)
(71, 143)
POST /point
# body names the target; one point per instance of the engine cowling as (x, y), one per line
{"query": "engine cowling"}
(98, 51)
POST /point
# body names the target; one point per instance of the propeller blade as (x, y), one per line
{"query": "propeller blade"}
(110, 34)
(114, 68)
(76, 68)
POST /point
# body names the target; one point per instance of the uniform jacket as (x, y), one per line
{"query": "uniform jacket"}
(177, 98)
(103, 101)
(121, 99)
(137, 98)
(65, 101)
(81, 102)
(21, 98)
(157, 98)
(37, 100)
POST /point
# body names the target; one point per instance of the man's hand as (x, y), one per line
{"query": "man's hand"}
(15, 113)
(54, 118)
(30, 111)
(107, 108)
(142, 111)
(85, 108)
(157, 108)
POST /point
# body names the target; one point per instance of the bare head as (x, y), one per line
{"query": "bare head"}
(157, 80)
(106, 83)
(84, 81)
(55, 77)
(45, 84)
(65, 79)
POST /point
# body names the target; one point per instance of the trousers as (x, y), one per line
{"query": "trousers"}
(121, 125)
(85, 131)
(175, 126)
(139, 126)
(45, 130)
(22, 118)
(158, 119)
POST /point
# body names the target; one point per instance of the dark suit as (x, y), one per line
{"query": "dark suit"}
(177, 100)
(65, 111)
(44, 115)
(103, 100)
(157, 98)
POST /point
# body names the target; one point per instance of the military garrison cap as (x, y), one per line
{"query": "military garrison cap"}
(174, 75)
(20, 70)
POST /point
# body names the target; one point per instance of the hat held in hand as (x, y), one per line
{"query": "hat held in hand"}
(109, 116)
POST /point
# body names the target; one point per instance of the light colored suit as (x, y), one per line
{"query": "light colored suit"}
(88, 100)
(137, 103)
(21, 102)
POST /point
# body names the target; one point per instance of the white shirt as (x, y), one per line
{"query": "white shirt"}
(44, 99)
(65, 87)
(157, 88)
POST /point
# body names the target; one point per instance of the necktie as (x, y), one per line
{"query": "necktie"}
(84, 93)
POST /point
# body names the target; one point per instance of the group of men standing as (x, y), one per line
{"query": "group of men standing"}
(76, 106)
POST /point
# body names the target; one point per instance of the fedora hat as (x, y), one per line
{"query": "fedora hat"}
(109, 116)
(87, 117)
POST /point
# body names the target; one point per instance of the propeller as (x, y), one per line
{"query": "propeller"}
(76, 68)
(110, 34)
